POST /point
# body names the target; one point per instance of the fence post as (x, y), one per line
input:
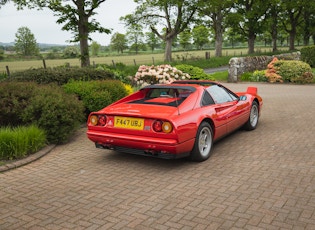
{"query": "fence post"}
(8, 71)
(114, 63)
(153, 60)
(44, 63)
(134, 61)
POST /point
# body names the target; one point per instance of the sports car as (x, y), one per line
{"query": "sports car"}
(182, 119)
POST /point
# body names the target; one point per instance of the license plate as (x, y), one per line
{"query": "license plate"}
(129, 123)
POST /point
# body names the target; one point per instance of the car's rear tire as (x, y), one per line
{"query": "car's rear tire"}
(203, 143)
(252, 121)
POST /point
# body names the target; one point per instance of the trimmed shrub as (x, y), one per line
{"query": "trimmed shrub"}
(308, 55)
(19, 142)
(15, 97)
(46, 106)
(58, 113)
(96, 94)
(61, 75)
(194, 72)
(294, 71)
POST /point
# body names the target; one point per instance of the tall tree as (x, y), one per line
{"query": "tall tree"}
(173, 15)
(76, 16)
(200, 36)
(151, 40)
(217, 11)
(118, 42)
(292, 18)
(273, 19)
(249, 20)
(25, 42)
(134, 36)
(95, 48)
(185, 39)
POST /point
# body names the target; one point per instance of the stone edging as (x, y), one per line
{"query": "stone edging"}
(27, 160)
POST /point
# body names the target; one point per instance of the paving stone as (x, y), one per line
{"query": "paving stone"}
(263, 179)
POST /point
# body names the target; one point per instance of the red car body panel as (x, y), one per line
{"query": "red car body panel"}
(184, 116)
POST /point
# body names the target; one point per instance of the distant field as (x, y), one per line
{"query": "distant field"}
(141, 59)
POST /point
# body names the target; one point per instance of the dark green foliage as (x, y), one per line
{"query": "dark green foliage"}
(61, 75)
(47, 106)
(96, 94)
(15, 97)
(20, 141)
(308, 55)
(194, 72)
(294, 71)
(121, 71)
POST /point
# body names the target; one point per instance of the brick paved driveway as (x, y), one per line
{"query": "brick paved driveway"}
(264, 179)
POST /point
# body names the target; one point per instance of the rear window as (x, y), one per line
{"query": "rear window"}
(169, 96)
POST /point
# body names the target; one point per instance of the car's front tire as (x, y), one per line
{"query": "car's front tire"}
(203, 143)
(252, 121)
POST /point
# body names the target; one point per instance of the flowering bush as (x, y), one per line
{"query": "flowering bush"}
(161, 74)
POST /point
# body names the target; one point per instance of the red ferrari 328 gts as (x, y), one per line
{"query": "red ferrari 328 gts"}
(174, 120)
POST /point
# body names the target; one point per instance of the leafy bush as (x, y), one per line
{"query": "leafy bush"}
(96, 94)
(20, 141)
(46, 106)
(15, 97)
(194, 72)
(294, 71)
(58, 113)
(121, 71)
(245, 76)
(61, 75)
(258, 76)
(308, 55)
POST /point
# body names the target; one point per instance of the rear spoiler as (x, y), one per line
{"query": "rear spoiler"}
(252, 90)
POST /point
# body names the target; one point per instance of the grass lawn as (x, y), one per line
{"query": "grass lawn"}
(140, 59)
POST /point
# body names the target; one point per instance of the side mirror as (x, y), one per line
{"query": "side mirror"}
(243, 98)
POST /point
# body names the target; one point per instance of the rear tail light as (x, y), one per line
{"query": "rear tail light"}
(98, 120)
(162, 126)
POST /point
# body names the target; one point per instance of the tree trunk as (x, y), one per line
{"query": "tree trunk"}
(83, 35)
(218, 38)
(251, 43)
(168, 50)
(292, 39)
(217, 19)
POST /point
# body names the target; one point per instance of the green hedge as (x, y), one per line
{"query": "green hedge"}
(47, 106)
(61, 75)
(194, 72)
(97, 94)
(19, 142)
(294, 71)
(308, 55)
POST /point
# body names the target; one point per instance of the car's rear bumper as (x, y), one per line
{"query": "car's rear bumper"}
(140, 145)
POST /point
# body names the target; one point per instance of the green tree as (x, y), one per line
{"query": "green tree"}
(291, 17)
(200, 36)
(25, 42)
(185, 39)
(134, 36)
(174, 16)
(217, 11)
(76, 16)
(118, 42)
(151, 40)
(71, 52)
(249, 20)
(95, 48)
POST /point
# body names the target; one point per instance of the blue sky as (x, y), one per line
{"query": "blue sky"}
(45, 29)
